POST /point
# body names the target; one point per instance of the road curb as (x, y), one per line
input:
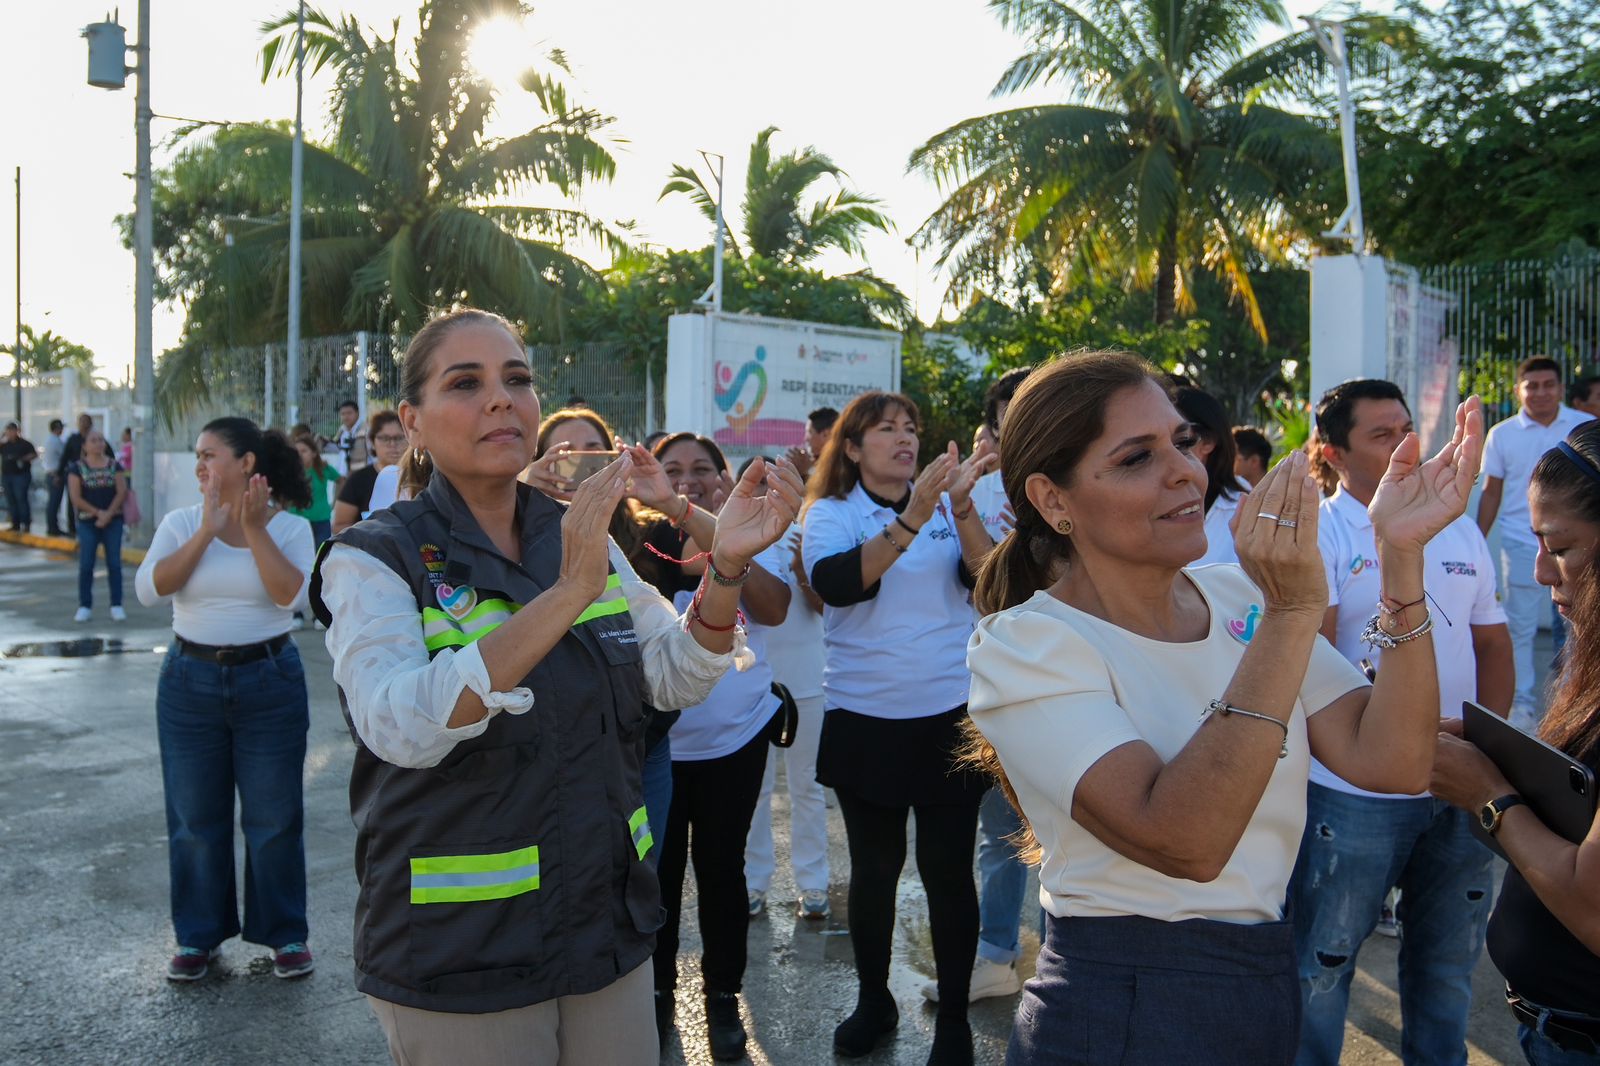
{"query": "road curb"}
(68, 545)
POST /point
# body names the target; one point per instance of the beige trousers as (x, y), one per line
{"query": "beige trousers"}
(615, 1026)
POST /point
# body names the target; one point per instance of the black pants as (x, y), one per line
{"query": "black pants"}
(946, 837)
(713, 801)
(58, 487)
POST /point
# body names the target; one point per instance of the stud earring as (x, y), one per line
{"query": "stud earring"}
(1064, 526)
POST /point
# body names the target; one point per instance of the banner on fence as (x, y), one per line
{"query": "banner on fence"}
(748, 382)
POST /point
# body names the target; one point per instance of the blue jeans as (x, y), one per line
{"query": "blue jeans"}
(1354, 848)
(1002, 879)
(1542, 1051)
(90, 539)
(17, 486)
(658, 794)
(227, 728)
(321, 530)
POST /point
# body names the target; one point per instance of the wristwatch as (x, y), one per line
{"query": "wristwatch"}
(1490, 813)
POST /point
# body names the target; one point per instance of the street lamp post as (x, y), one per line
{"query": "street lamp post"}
(107, 48)
(296, 177)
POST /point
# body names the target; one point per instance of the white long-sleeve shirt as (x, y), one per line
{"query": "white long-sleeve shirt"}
(400, 700)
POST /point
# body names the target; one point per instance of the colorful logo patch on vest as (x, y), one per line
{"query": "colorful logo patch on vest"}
(432, 558)
(457, 601)
(1244, 629)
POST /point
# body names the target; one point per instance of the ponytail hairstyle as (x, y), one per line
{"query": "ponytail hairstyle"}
(836, 474)
(1057, 413)
(316, 453)
(416, 466)
(1573, 723)
(276, 458)
(626, 528)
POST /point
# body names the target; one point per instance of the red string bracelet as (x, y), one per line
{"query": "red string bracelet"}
(696, 616)
(688, 509)
(659, 554)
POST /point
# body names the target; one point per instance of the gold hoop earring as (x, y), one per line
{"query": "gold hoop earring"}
(1064, 526)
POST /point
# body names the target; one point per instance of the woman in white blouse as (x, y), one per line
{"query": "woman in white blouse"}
(493, 668)
(231, 708)
(1155, 725)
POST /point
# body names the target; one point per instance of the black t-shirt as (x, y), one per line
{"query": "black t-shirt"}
(14, 457)
(357, 491)
(1540, 959)
(71, 452)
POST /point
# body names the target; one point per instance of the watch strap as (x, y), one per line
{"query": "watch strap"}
(1503, 804)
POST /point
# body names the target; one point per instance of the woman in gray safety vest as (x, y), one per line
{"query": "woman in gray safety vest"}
(493, 666)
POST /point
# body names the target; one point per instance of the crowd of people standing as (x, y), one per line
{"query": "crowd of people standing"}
(571, 666)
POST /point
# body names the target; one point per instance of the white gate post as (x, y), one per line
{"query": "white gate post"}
(267, 353)
(361, 376)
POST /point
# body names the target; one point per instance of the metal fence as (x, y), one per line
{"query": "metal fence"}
(365, 367)
(1501, 313)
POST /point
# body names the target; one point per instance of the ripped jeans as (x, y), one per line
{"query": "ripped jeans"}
(1354, 849)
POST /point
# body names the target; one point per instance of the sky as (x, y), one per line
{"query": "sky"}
(865, 81)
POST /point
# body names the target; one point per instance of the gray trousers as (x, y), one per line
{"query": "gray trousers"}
(615, 1026)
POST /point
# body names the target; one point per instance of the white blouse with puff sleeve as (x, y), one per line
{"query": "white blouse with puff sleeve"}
(1055, 689)
(400, 700)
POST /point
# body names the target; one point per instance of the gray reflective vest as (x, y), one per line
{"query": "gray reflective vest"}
(513, 872)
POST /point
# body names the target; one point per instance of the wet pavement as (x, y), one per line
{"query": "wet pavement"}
(84, 876)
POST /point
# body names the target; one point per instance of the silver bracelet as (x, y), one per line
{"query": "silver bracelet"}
(1373, 636)
(1222, 710)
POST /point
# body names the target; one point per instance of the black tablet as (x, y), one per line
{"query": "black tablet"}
(1558, 788)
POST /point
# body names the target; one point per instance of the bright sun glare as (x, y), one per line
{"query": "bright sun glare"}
(501, 51)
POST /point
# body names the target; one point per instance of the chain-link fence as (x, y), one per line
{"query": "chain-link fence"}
(365, 368)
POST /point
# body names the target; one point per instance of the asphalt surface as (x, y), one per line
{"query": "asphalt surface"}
(85, 926)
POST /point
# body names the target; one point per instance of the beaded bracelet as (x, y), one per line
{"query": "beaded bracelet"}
(723, 579)
(1374, 636)
(896, 544)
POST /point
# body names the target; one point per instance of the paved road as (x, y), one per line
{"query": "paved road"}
(85, 883)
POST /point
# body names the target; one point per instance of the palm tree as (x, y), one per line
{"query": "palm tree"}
(48, 352)
(777, 223)
(1173, 157)
(404, 208)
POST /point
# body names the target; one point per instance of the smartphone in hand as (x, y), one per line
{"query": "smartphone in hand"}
(580, 466)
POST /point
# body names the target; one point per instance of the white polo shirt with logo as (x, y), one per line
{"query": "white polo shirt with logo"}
(1458, 575)
(989, 497)
(903, 653)
(1512, 451)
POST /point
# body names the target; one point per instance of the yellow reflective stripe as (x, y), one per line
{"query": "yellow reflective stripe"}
(611, 602)
(639, 830)
(433, 614)
(469, 878)
(454, 638)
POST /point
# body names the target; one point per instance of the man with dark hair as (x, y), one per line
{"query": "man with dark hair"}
(1356, 843)
(1509, 455)
(998, 398)
(57, 484)
(1583, 395)
(1252, 454)
(819, 427)
(16, 469)
(349, 439)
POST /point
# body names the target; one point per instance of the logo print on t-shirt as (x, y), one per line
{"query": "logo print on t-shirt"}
(1244, 629)
(457, 601)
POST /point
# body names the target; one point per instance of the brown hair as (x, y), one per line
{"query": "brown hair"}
(316, 453)
(836, 473)
(627, 524)
(378, 420)
(416, 468)
(1573, 721)
(1053, 419)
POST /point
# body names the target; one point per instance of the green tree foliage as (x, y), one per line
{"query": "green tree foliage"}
(1483, 143)
(404, 208)
(1177, 155)
(777, 223)
(48, 352)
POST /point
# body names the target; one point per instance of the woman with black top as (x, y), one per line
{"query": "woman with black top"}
(388, 443)
(1544, 934)
(893, 559)
(97, 487)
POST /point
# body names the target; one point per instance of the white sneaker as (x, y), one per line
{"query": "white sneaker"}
(82, 615)
(989, 979)
(813, 905)
(118, 614)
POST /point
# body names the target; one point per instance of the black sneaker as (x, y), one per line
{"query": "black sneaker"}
(952, 1043)
(873, 1022)
(191, 964)
(724, 1029)
(666, 1008)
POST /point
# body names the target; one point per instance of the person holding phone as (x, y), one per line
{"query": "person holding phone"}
(1155, 724)
(1544, 933)
(494, 672)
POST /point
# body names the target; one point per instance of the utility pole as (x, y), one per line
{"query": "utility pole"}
(712, 297)
(16, 353)
(296, 179)
(1350, 226)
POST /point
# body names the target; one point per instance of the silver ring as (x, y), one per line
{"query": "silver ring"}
(1265, 514)
(1288, 523)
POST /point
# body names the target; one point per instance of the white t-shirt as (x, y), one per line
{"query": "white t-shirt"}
(742, 703)
(1458, 575)
(224, 601)
(794, 649)
(989, 497)
(1055, 689)
(901, 654)
(1219, 538)
(385, 489)
(1511, 452)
